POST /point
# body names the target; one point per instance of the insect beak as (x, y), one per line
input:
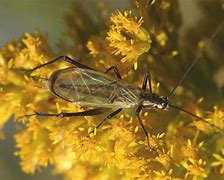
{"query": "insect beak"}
(166, 103)
(167, 107)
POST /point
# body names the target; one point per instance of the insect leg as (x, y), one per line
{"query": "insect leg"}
(106, 118)
(141, 123)
(109, 117)
(147, 78)
(90, 112)
(114, 68)
(63, 58)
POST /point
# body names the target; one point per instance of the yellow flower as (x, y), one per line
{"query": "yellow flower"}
(217, 118)
(95, 45)
(219, 161)
(101, 52)
(164, 175)
(164, 158)
(162, 38)
(35, 147)
(213, 123)
(127, 37)
(203, 126)
(195, 168)
(191, 150)
(156, 141)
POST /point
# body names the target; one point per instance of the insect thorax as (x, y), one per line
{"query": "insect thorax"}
(152, 101)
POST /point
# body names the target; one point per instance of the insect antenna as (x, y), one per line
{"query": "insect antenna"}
(183, 110)
(197, 58)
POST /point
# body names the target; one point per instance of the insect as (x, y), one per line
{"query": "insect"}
(88, 87)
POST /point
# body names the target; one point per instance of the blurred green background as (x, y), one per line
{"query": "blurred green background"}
(19, 16)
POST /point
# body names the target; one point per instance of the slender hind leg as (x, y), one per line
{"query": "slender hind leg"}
(63, 58)
(107, 118)
(90, 112)
(76, 63)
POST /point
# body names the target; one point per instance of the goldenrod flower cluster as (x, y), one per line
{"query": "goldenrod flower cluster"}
(146, 38)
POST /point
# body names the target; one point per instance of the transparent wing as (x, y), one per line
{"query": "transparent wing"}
(91, 88)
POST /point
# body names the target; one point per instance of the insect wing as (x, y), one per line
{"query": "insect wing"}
(91, 88)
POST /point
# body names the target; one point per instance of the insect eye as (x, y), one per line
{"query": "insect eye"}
(159, 106)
